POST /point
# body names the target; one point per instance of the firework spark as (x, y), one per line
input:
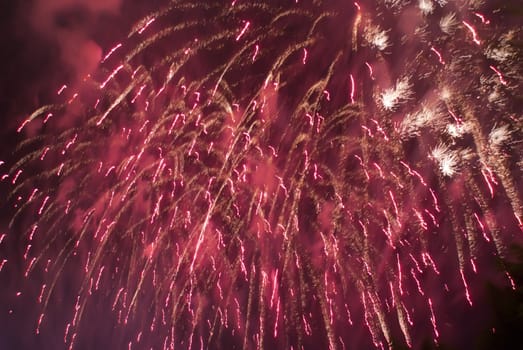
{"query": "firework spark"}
(243, 175)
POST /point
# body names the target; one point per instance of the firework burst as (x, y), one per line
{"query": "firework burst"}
(257, 175)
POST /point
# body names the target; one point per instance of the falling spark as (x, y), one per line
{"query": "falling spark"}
(220, 185)
(473, 32)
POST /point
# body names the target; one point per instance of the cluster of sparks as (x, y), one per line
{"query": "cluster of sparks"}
(248, 175)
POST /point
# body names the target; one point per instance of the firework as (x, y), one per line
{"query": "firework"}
(307, 174)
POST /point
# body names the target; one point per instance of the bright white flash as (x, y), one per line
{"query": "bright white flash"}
(448, 23)
(446, 159)
(426, 6)
(377, 37)
(457, 130)
(427, 116)
(397, 94)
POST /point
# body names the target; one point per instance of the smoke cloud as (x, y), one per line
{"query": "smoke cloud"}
(69, 24)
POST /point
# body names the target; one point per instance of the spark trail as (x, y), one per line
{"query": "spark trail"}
(278, 175)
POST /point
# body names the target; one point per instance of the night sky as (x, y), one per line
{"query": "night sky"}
(45, 44)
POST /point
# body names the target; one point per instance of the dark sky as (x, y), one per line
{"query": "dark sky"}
(47, 43)
(43, 45)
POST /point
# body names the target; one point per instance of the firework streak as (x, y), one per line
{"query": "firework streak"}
(261, 175)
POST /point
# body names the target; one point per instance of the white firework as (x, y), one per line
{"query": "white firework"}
(446, 159)
(377, 37)
(448, 23)
(426, 6)
(391, 98)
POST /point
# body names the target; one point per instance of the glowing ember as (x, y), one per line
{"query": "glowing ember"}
(314, 174)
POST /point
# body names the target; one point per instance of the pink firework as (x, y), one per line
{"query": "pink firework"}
(310, 174)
